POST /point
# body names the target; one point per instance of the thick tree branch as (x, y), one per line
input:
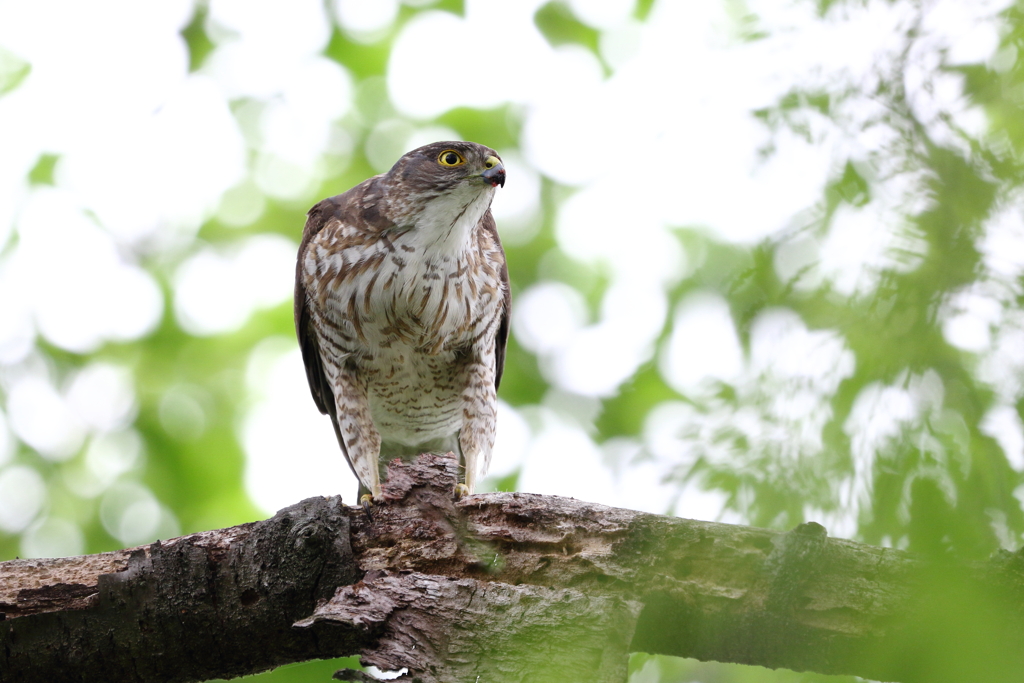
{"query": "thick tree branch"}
(507, 587)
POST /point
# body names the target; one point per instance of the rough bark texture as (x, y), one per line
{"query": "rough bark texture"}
(214, 604)
(458, 629)
(504, 587)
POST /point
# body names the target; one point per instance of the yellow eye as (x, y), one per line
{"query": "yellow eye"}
(450, 157)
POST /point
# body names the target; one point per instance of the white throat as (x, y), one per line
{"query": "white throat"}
(445, 225)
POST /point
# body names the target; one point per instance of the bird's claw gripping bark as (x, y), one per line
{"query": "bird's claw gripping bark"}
(366, 501)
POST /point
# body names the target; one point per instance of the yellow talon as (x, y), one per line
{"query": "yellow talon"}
(366, 500)
(461, 491)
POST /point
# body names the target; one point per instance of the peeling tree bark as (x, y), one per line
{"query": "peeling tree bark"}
(456, 630)
(504, 587)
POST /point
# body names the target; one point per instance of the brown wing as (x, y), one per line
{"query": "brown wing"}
(316, 219)
(329, 210)
(501, 338)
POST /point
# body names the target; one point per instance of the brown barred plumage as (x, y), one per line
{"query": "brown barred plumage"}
(402, 309)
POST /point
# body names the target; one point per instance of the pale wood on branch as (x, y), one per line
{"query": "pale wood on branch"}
(504, 587)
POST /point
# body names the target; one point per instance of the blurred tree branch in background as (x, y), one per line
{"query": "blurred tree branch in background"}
(506, 587)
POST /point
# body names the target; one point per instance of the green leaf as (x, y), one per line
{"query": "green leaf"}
(13, 70)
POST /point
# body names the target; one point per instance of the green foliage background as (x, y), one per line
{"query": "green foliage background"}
(924, 499)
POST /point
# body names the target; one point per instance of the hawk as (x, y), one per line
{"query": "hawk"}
(402, 311)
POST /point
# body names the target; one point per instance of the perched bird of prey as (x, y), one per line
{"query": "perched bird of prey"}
(402, 311)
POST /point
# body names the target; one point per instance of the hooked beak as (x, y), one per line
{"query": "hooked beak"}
(495, 173)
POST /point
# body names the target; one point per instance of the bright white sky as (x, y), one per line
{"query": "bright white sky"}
(149, 151)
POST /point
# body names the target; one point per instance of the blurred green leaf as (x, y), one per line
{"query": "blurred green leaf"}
(13, 70)
(558, 24)
(199, 45)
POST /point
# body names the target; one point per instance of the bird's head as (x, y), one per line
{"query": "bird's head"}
(443, 181)
(464, 169)
(442, 166)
